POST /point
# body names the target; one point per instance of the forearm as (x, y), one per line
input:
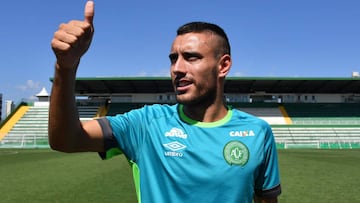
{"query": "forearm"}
(66, 132)
(64, 123)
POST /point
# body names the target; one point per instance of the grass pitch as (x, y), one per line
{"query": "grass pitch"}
(320, 176)
(48, 176)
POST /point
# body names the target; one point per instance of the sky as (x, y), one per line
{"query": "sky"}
(269, 38)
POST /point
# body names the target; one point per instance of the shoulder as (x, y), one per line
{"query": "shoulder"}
(159, 109)
(249, 118)
(150, 111)
(143, 115)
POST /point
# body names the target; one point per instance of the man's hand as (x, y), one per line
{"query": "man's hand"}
(73, 39)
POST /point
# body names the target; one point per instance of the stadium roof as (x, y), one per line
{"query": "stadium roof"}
(117, 85)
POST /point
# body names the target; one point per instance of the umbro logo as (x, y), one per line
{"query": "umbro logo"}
(174, 146)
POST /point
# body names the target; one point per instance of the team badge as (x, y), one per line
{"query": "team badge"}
(236, 153)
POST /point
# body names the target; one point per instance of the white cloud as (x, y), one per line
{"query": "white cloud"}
(29, 90)
(29, 85)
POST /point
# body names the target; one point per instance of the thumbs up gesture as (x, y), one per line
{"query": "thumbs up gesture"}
(72, 39)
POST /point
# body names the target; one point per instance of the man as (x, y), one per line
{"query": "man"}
(198, 150)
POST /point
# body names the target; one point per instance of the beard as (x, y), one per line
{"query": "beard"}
(203, 96)
(202, 93)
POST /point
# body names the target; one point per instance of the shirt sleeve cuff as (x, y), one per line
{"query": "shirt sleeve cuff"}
(111, 146)
(270, 193)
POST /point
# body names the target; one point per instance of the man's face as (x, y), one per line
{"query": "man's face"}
(194, 68)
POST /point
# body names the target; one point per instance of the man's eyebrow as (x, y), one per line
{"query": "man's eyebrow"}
(173, 55)
(191, 53)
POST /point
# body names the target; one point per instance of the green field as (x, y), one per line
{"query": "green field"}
(48, 176)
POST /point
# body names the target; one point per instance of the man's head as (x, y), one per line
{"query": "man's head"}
(200, 60)
(199, 27)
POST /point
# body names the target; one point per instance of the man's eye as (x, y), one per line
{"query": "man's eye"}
(191, 57)
(173, 58)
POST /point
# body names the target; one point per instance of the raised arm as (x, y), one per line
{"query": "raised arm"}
(66, 132)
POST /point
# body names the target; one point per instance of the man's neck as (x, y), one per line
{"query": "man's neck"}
(206, 113)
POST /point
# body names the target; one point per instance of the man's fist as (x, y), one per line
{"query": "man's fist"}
(73, 39)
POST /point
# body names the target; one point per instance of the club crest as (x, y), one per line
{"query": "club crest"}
(236, 153)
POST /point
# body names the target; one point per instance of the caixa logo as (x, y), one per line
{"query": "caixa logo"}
(242, 133)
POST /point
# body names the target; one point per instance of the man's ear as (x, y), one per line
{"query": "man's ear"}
(224, 65)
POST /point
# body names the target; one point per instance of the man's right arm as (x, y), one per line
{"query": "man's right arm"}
(66, 132)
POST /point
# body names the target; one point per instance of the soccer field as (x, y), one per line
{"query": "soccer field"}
(48, 176)
(320, 176)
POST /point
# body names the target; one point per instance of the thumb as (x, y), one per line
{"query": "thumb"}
(89, 12)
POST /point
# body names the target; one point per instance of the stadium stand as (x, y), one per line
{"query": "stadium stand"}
(29, 131)
(330, 126)
(27, 127)
(317, 137)
(296, 124)
(310, 125)
(324, 113)
(87, 112)
(321, 125)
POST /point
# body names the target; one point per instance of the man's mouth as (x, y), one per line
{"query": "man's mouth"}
(182, 85)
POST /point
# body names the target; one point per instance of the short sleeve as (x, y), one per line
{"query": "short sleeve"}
(268, 181)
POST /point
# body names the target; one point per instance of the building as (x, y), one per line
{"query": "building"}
(0, 107)
(10, 106)
(43, 98)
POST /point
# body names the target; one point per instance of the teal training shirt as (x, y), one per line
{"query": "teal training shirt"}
(177, 159)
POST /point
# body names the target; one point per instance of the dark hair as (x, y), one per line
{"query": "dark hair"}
(199, 27)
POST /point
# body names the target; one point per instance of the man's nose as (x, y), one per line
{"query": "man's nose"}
(179, 66)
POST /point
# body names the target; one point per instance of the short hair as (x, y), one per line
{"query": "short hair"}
(199, 27)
